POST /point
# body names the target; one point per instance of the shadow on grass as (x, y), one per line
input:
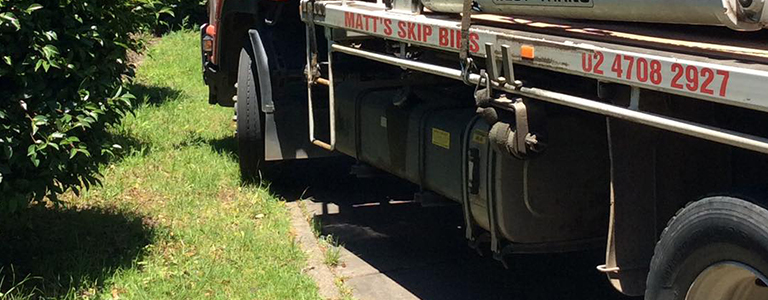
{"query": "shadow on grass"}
(63, 250)
(146, 95)
(151, 95)
(129, 146)
(226, 146)
(294, 179)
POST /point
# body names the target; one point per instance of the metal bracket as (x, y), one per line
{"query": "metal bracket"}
(522, 130)
(312, 72)
(404, 6)
(483, 97)
(516, 139)
(502, 72)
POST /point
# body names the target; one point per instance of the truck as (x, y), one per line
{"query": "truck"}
(557, 125)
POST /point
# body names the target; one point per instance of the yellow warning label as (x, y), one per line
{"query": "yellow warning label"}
(478, 137)
(441, 138)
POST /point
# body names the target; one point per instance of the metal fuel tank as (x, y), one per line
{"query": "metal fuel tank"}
(743, 15)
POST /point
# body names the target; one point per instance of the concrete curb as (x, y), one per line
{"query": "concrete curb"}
(322, 274)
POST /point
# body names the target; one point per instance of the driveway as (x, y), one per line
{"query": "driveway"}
(397, 249)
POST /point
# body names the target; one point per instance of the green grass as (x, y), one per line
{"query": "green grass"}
(172, 219)
(331, 250)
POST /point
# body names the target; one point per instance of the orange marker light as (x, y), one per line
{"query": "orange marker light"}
(207, 45)
(210, 30)
(527, 51)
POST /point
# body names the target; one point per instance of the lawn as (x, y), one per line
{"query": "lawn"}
(172, 219)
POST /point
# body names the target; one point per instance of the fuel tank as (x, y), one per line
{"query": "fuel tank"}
(742, 15)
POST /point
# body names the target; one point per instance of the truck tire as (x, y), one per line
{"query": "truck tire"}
(250, 137)
(716, 248)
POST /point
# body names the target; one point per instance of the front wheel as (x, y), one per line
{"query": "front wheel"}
(250, 137)
(714, 249)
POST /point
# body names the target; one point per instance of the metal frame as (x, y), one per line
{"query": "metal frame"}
(313, 78)
(718, 135)
(744, 86)
(732, 83)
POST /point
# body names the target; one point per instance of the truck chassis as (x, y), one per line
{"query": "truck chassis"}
(682, 153)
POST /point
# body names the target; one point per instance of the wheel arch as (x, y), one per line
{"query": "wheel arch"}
(236, 18)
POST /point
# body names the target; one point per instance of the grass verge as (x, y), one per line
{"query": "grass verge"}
(172, 220)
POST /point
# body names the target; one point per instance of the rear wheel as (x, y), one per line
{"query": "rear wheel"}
(250, 137)
(714, 249)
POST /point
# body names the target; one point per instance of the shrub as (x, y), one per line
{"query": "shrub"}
(62, 66)
(174, 14)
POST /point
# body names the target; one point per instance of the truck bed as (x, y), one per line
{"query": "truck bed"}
(716, 42)
(707, 63)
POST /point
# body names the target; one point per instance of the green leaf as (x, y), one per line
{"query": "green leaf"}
(50, 51)
(33, 8)
(40, 120)
(10, 17)
(168, 11)
(51, 35)
(38, 64)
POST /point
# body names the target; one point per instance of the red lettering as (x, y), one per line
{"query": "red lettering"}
(401, 29)
(349, 19)
(442, 35)
(367, 21)
(456, 40)
(427, 33)
(724, 85)
(376, 21)
(359, 22)
(617, 66)
(388, 27)
(709, 77)
(586, 62)
(679, 72)
(473, 44)
(411, 33)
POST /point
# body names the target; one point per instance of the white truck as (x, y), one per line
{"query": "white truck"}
(639, 125)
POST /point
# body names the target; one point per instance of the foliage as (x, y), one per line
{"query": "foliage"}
(63, 66)
(171, 220)
(166, 15)
(61, 69)
(331, 250)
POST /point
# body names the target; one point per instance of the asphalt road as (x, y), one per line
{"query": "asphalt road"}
(397, 249)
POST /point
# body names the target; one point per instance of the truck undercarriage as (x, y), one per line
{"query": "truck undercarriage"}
(554, 135)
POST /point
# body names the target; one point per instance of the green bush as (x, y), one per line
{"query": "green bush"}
(174, 14)
(62, 69)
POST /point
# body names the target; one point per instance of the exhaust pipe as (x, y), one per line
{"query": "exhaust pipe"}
(742, 15)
